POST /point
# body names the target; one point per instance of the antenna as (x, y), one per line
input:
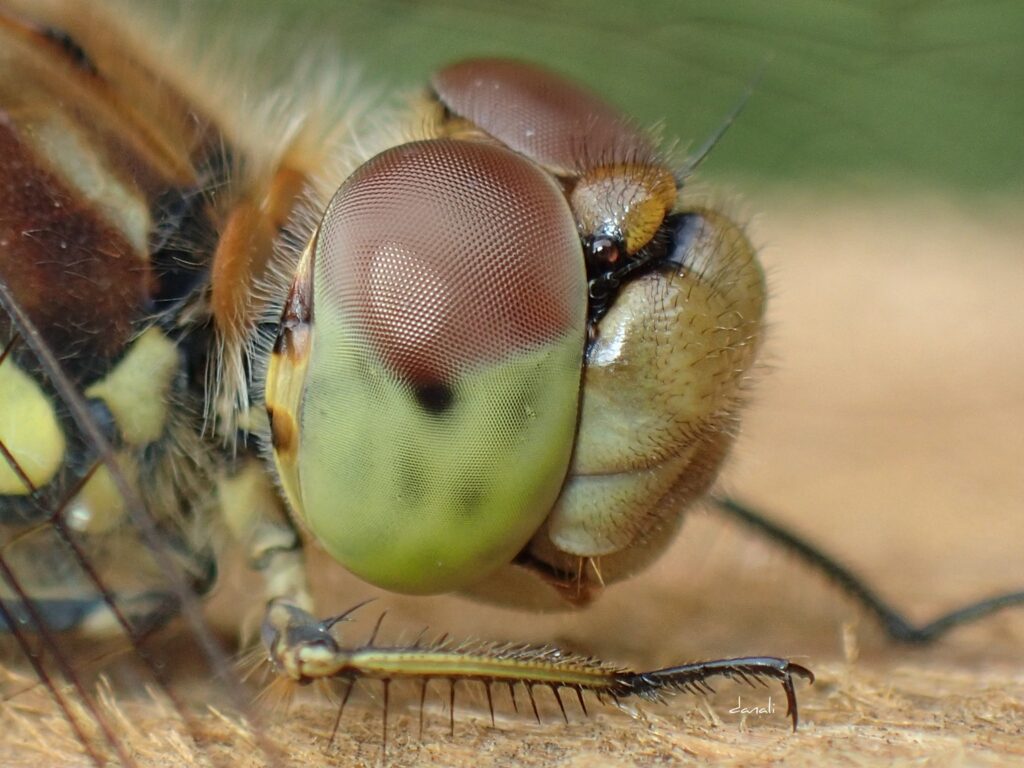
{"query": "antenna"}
(701, 154)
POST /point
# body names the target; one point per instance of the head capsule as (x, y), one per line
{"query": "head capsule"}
(424, 388)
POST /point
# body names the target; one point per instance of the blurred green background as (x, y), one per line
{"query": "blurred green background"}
(863, 95)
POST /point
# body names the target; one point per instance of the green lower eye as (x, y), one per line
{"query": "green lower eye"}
(437, 410)
(421, 499)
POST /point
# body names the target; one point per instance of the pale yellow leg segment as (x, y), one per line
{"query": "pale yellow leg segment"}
(256, 517)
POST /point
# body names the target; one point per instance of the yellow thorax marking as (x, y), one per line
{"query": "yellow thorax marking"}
(136, 389)
(29, 431)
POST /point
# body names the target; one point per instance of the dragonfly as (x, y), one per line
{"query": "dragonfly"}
(181, 405)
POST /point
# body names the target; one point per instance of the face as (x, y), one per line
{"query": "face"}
(508, 345)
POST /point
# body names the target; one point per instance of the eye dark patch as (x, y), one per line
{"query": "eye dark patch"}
(434, 397)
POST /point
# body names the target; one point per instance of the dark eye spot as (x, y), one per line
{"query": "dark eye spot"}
(469, 496)
(434, 396)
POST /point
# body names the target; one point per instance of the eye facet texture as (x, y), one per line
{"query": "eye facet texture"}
(449, 313)
(554, 121)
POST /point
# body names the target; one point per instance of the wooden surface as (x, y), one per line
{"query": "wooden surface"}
(885, 426)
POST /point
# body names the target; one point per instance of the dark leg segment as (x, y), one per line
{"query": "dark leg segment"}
(894, 623)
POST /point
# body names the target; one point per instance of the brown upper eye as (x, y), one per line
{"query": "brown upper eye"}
(546, 117)
(446, 254)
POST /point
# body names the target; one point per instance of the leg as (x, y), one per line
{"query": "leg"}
(894, 623)
(256, 517)
(305, 649)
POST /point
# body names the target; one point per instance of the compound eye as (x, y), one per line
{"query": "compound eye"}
(438, 407)
(548, 118)
(618, 182)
